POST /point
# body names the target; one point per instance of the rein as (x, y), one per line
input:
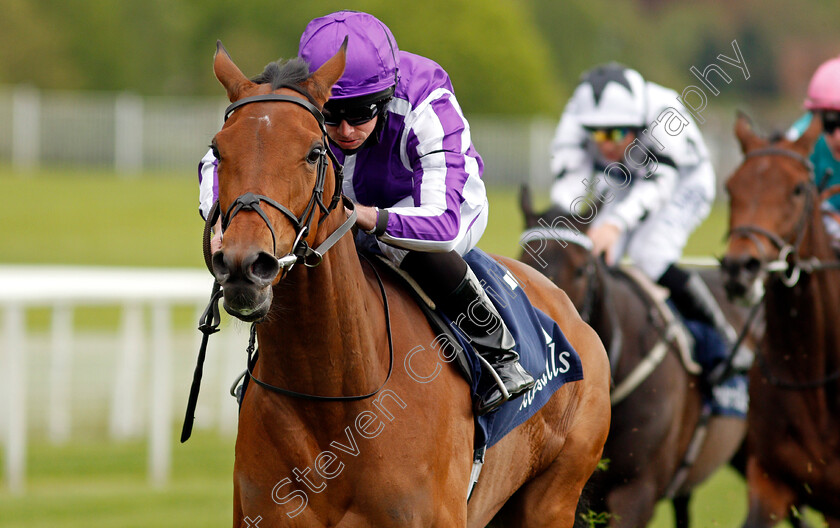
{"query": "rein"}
(315, 397)
(299, 252)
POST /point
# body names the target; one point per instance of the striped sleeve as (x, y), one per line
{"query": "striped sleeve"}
(208, 183)
(447, 176)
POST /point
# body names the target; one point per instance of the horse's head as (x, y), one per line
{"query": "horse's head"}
(773, 201)
(555, 243)
(273, 171)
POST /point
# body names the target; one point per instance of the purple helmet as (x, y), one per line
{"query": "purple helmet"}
(372, 53)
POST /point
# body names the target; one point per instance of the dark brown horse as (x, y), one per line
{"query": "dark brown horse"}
(779, 253)
(655, 418)
(398, 449)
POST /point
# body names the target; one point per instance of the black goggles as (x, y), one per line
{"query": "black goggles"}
(355, 115)
(830, 121)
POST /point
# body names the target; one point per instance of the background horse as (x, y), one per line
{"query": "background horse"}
(779, 250)
(394, 451)
(653, 425)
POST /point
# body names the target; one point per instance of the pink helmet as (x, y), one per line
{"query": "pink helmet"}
(824, 88)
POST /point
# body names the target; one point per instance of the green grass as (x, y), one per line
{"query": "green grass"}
(103, 485)
(94, 218)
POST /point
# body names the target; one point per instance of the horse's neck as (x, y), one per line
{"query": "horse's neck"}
(803, 318)
(324, 333)
(614, 299)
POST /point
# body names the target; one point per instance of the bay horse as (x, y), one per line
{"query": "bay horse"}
(334, 431)
(655, 417)
(779, 253)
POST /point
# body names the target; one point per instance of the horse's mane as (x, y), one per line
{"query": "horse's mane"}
(283, 72)
(555, 211)
(292, 72)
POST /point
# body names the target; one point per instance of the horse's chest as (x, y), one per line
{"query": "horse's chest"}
(342, 486)
(345, 502)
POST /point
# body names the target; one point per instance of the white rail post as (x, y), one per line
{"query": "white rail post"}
(128, 134)
(539, 130)
(125, 421)
(160, 387)
(60, 374)
(15, 366)
(26, 127)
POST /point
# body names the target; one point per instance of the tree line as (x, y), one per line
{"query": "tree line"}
(513, 57)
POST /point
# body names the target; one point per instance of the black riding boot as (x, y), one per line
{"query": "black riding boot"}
(695, 301)
(471, 310)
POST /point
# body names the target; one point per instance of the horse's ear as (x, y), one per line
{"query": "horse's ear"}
(805, 144)
(320, 83)
(747, 137)
(527, 206)
(229, 74)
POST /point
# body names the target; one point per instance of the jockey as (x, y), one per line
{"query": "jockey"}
(415, 177)
(642, 171)
(823, 101)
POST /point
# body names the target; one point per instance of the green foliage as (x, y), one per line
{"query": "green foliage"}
(593, 519)
(522, 57)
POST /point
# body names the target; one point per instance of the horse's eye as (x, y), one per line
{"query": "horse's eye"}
(215, 151)
(314, 155)
(799, 189)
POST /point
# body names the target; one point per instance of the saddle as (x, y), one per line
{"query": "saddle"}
(675, 330)
(697, 344)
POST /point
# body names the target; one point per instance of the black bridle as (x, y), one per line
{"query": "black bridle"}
(788, 261)
(300, 250)
(788, 258)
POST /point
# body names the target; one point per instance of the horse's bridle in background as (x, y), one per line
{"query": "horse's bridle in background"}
(788, 251)
(787, 258)
(300, 250)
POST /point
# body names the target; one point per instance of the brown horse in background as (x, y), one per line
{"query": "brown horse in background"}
(780, 254)
(654, 420)
(363, 443)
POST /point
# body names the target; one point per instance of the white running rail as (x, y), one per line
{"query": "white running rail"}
(134, 291)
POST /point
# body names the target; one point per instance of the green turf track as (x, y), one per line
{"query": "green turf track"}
(95, 218)
(84, 217)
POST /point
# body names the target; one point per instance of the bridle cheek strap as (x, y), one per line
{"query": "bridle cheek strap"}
(300, 250)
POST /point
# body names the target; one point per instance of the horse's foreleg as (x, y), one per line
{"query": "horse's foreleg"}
(769, 500)
(550, 500)
(633, 504)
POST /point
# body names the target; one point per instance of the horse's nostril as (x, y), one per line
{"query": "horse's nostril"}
(752, 265)
(729, 265)
(265, 268)
(220, 266)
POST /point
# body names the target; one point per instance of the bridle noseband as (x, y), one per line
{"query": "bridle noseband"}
(300, 250)
(787, 250)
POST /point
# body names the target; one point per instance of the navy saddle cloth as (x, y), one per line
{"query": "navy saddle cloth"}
(544, 350)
